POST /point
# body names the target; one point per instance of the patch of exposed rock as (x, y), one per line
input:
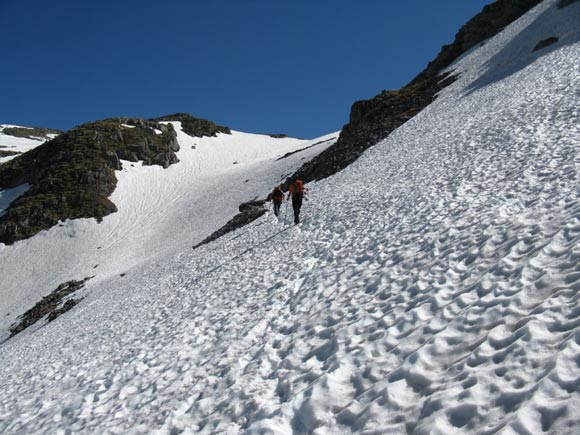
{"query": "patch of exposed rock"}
(195, 127)
(546, 43)
(50, 306)
(248, 212)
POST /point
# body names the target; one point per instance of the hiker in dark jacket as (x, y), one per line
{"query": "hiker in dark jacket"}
(296, 191)
(277, 196)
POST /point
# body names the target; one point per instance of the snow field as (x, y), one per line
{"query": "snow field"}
(432, 288)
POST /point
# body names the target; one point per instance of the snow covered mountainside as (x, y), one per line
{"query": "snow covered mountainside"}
(160, 211)
(433, 287)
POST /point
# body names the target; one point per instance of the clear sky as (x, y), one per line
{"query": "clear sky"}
(260, 66)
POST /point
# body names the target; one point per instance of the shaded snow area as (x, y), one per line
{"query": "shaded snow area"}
(432, 288)
(7, 196)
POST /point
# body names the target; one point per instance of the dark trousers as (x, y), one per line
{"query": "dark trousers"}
(296, 205)
(277, 204)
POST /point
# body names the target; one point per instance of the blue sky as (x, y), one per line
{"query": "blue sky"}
(261, 66)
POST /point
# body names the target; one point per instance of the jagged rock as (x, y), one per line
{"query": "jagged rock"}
(165, 159)
(251, 206)
(195, 127)
(545, 43)
(249, 212)
(490, 21)
(370, 122)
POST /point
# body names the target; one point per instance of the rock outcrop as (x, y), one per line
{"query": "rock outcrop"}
(248, 212)
(196, 127)
(50, 306)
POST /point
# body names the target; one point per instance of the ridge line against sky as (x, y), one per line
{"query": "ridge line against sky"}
(257, 66)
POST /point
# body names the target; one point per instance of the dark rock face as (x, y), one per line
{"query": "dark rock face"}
(545, 43)
(374, 119)
(49, 305)
(72, 175)
(195, 127)
(249, 212)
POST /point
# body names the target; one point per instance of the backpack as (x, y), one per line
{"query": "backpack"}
(297, 188)
(277, 194)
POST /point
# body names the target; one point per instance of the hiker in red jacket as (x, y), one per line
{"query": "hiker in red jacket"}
(277, 196)
(297, 192)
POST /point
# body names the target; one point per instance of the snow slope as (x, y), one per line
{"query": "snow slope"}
(160, 211)
(431, 289)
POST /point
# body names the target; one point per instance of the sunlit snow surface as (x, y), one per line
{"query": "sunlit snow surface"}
(431, 289)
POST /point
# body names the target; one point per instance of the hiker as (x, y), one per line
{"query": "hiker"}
(296, 191)
(277, 196)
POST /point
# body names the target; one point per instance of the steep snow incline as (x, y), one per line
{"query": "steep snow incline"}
(433, 288)
(159, 211)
